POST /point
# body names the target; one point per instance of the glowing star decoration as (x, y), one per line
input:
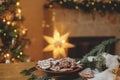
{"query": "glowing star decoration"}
(58, 44)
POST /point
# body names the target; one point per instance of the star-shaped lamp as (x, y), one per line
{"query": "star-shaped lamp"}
(58, 44)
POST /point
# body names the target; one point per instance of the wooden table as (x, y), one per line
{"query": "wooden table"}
(12, 71)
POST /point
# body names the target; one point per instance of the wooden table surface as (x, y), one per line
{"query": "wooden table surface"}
(12, 71)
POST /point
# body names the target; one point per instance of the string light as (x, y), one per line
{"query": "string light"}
(15, 30)
(18, 13)
(61, 2)
(110, 2)
(18, 56)
(50, 5)
(19, 10)
(8, 22)
(4, 34)
(76, 7)
(65, 0)
(4, 20)
(13, 59)
(87, 5)
(13, 23)
(7, 55)
(21, 53)
(74, 0)
(18, 3)
(92, 3)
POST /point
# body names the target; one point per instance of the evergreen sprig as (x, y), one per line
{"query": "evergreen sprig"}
(105, 46)
(28, 71)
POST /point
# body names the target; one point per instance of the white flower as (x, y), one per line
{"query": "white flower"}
(91, 58)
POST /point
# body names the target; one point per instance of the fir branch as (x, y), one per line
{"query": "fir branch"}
(33, 77)
(99, 49)
(28, 71)
(45, 77)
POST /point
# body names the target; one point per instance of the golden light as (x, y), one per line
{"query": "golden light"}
(7, 55)
(19, 10)
(50, 5)
(58, 44)
(61, 2)
(4, 20)
(21, 53)
(15, 30)
(76, 7)
(18, 3)
(8, 23)
(4, 34)
(13, 23)
(18, 56)
(13, 59)
(18, 13)
(23, 30)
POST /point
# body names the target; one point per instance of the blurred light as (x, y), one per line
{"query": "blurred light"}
(87, 5)
(21, 53)
(18, 3)
(61, 2)
(50, 5)
(19, 10)
(65, 0)
(4, 34)
(8, 22)
(76, 7)
(16, 36)
(4, 20)
(92, 3)
(7, 55)
(13, 59)
(47, 25)
(13, 23)
(18, 56)
(15, 30)
(110, 2)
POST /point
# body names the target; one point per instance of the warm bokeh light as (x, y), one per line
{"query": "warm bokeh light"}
(58, 44)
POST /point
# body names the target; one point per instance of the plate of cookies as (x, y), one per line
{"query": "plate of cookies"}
(59, 66)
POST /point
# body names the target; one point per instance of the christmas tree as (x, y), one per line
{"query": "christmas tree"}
(12, 32)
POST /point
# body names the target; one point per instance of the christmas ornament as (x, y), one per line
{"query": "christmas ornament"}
(58, 44)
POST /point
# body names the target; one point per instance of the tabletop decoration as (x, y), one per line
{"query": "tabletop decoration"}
(59, 66)
(96, 65)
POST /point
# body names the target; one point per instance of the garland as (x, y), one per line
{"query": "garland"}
(88, 6)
